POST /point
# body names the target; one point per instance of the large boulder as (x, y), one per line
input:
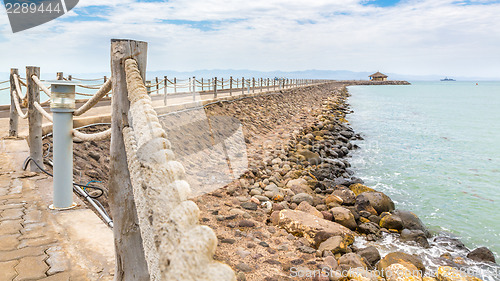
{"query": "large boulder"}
(379, 201)
(348, 197)
(335, 244)
(448, 273)
(299, 186)
(482, 254)
(344, 217)
(371, 254)
(402, 258)
(392, 222)
(417, 236)
(411, 221)
(314, 229)
(306, 207)
(359, 188)
(402, 272)
(351, 260)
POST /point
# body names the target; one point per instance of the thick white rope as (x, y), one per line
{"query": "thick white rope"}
(93, 137)
(18, 88)
(18, 107)
(41, 85)
(94, 99)
(81, 79)
(43, 112)
(176, 246)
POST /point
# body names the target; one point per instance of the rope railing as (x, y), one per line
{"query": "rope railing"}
(106, 88)
(18, 106)
(18, 87)
(41, 85)
(6, 88)
(85, 80)
(43, 112)
(3, 82)
(159, 187)
(92, 137)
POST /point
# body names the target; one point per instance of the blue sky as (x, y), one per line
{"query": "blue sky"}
(444, 37)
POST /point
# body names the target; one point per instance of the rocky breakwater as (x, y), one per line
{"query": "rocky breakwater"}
(307, 189)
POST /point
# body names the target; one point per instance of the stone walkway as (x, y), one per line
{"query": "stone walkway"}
(29, 248)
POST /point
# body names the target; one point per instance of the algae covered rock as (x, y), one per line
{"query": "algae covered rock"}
(392, 222)
(359, 188)
(401, 258)
(379, 201)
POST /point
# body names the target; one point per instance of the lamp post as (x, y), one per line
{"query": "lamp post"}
(63, 105)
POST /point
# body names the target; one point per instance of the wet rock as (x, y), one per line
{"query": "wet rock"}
(371, 254)
(359, 188)
(392, 222)
(449, 243)
(482, 254)
(335, 244)
(412, 221)
(379, 201)
(351, 260)
(400, 257)
(297, 199)
(417, 236)
(306, 207)
(369, 228)
(447, 273)
(314, 229)
(344, 217)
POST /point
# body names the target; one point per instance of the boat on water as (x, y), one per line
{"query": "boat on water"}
(448, 79)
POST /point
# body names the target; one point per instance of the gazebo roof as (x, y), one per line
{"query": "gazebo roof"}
(378, 74)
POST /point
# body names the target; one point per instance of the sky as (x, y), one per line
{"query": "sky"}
(417, 37)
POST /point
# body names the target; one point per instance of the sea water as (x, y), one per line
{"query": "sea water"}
(434, 148)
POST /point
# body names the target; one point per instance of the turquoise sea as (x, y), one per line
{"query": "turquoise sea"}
(434, 148)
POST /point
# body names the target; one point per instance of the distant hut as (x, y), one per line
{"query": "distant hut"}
(378, 77)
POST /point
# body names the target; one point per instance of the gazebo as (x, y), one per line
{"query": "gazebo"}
(377, 76)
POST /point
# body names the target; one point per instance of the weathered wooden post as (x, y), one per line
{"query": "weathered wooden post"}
(13, 117)
(242, 85)
(165, 90)
(222, 82)
(34, 119)
(230, 85)
(157, 86)
(70, 77)
(253, 85)
(129, 252)
(215, 87)
(105, 79)
(148, 87)
(267, 88)
(202, 85)
(60, 76)
(175, 85)
(194, 88)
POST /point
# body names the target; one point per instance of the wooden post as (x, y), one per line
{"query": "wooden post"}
(215, 87)
(129, 252)
(253, 85)
(13, 117)
(157, 86)
(202, 85)
(242, 85)
(60, 76)
(70, 77)
(222, 82)
(165, 90)
(105, 79)
(267, 88)
(230, 85)
(175, 85)
(34, 119)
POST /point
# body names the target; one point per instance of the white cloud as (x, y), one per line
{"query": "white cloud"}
(414, 37)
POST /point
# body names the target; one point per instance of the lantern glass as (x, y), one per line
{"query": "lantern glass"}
(63, 95)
